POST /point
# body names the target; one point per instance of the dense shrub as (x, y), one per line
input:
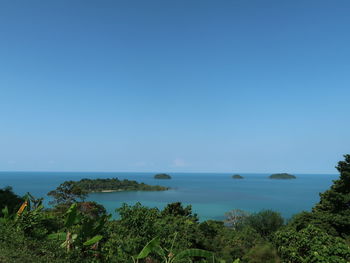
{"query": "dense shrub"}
(310, 245)
(264, 252)
(17, 247)
(265, 222)
(10, 200)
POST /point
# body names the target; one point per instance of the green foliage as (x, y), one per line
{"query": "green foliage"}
(263, 252)
(167, 255)
(31, 220)
(15, 247)
(6, 216)
(91, 209)
(137, 219)
(93, 241)
(81, 231)
(237, 243)
(152, 246)
(72, 216)
(127, 236)
(10, 200)
(334, 205)
(193, 253)
(320, 220)
(176, 209)
(67, 193)
(213, 235)
(28, 231)
(315, 236)
(265, 222)
(139, 224)
(309, 245)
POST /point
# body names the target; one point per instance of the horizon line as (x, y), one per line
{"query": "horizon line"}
(155, 172)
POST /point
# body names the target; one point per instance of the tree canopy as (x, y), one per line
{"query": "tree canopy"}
(67, 193)
(334, 205)
(10, 200)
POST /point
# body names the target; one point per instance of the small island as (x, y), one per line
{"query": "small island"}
(162, 176)
(115, 185)
(237, 176)
(282, 176)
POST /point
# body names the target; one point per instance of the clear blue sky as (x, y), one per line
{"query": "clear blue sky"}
(223, 86)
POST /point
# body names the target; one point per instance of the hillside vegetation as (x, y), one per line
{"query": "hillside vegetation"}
(79, 231)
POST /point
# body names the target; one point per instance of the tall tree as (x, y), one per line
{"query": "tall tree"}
(334, 205)
(67, 193)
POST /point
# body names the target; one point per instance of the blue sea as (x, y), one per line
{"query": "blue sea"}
(210, 194)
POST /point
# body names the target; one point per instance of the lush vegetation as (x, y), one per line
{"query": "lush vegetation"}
(237, 176)
(10, 200)
(162, 176)
(82, 231)
(282, 176)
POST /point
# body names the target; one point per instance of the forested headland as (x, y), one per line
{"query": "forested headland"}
(74, 230)
(113, 184)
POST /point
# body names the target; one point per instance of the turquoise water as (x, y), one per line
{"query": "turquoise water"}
(210, 194)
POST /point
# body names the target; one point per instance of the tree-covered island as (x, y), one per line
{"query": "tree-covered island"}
(110, 185)
(114, 184)
(237, 176)
(282, 176)
(162, 176)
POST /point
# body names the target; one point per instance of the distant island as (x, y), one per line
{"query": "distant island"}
(162, 176)
(115, 185)
(237, 176)
(282, 176)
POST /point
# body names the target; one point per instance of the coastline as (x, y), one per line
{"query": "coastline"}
(109, 191)
(121, 190)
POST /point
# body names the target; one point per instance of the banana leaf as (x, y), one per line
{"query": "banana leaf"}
(93, 240)
(152, 246)
(58, 236)
(71, 215)
(193, 252)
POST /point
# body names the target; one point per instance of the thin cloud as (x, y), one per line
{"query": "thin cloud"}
(178, 162)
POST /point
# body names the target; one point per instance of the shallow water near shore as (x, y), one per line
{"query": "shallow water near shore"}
(210, 194)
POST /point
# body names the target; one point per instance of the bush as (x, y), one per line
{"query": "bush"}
(309, 245)
(15, 247)
(262, 253)
(265, 222)
(10, 200)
